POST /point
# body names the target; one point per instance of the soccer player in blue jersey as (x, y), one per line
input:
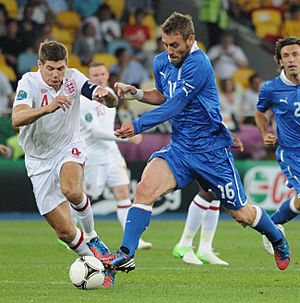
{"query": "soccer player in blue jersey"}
(282, 95)
(187, 95)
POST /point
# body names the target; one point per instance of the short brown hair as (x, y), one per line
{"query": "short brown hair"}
(52, 51)
(284, 42)
(179, 23)
(96, 64)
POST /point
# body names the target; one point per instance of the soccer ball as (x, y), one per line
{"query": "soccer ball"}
(87, 272)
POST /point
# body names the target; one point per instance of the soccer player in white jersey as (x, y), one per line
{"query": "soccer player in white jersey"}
(187, 95)
(47, 112)
(282, 96)
(105, 166)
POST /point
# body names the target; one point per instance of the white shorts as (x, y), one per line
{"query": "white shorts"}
(110, 174)
(45, 176)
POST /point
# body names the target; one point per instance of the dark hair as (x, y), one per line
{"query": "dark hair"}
(179, 23)
(253, 76)
(52, 51)
(282, 43)
(120, 51)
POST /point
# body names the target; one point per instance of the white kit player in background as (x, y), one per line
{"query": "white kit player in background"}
(105, 165)
(47, 113)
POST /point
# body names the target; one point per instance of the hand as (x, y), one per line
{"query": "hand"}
(62, 102)
(269, 140)
(103, 96)
(126, 131)
(125, 91)
(137, 139)
(237, 142)
(5, 150)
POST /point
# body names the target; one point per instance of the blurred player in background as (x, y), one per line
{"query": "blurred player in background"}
(187, 95)
(203, 212)
(105, 165)
(46, 109)
(282, 95)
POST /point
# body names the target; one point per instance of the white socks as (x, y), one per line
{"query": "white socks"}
(79, 245)
(85, 217)
(209, 227)
(205, 214)
(123, 207)
(196, 214)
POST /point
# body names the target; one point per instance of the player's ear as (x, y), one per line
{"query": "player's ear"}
(191, 40)
(40, 63)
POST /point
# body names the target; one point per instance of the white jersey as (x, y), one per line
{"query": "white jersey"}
(48, 135)
(97, 128)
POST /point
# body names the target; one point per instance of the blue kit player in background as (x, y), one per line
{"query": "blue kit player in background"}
(187, 95)
(282, 95)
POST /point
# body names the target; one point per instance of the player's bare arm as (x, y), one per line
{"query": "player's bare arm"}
(130, 92)
(105, 97)
(237, 142)
(23, 114)
(261, 120)
(126, 131)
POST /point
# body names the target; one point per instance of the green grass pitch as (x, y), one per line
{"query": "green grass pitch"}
(34, 268)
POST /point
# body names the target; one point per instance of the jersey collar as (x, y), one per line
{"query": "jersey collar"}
(285, 80)
(194, 47)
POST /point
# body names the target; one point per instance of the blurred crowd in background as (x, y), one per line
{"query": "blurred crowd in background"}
(125, 36)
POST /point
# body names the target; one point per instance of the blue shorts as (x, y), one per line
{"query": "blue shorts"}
(289, 162)
(214, 170)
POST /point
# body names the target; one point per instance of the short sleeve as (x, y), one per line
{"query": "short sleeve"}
(264, 98)
(25, 92)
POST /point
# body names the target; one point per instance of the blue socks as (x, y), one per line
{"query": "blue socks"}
(138, 220)
(284, 213)
(267, 227)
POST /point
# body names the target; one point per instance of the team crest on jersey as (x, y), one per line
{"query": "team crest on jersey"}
(70, 87)
(88, 117)
(44, 91)
(22, 95)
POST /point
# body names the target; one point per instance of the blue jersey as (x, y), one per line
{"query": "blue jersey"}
(284, 98)
(192, 104)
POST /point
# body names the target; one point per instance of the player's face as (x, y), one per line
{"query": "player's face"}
(290, 60)
(177, 47)
(99, 75)
(53, 72)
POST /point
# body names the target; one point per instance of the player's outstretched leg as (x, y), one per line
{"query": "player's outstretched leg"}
(138, 220)
(85, 217)
(286, 212)
(266, 226)
(123, 207)
(267, 244)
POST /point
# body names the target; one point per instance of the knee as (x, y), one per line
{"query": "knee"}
(145, 193)
(73, 194)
